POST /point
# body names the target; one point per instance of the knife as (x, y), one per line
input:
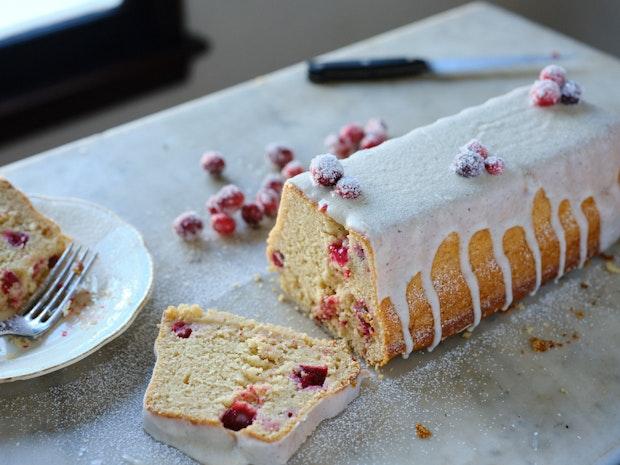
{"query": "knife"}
(382, 68)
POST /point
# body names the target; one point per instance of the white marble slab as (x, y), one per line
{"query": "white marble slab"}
(487, 400)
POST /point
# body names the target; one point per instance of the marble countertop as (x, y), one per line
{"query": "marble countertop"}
(488, 399)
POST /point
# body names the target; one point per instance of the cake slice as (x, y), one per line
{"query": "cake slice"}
(423, 252)
(29, 247)
(230, 390)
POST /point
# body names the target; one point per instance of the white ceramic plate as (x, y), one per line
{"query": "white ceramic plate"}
(119, 284)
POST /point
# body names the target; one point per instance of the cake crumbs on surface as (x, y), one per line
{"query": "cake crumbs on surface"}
(542, 345)
(281, 298)
(422, 432)
(466, 334)
(579, 313)
(258, 278)
(612, 267)
(563, 391)
(584, 285)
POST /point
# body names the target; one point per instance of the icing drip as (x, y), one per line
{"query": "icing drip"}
(559, 233)
(412, 201)
(504, 264)
(433, 300)
(582, 221)
(532, 244)
(470, 279)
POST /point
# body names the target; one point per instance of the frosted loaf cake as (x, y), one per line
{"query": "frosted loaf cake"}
(226, 390)
(424, 253)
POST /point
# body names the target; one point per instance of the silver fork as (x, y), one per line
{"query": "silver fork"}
(47, 304)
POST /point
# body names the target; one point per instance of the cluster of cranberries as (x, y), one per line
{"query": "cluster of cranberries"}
(473, 159)
(553, 87)
(230, 199)
(353, 137)
(326, 170)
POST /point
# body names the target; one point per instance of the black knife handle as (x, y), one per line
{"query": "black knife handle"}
(355, 70)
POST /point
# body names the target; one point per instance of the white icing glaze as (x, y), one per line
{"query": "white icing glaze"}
(215, 445)
(559, 233)
(411, 200)
(504, 264)
(530, 239)
(470, 277)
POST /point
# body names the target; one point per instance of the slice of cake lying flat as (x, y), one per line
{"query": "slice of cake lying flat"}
(227, 390)
(29, 247)
(424, 252)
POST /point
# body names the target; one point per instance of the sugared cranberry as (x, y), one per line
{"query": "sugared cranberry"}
(338, 253)
(495, 165)
(268, 200)
(277, 258)
(274, 182)
(342, 148)
(238, 416)
(223, 224)
(181, 329)
(16, 238)
(292, 169)
(326, 170)
(188, 226)
(252, 214)
(348, 187)
(475, 145)
(213, 162)
(553, 73)
(468, 164)
(376, 126)
(545, 93)
(230, 198)
(327, 309)
(372, 140)
(279, 154)
(212, 206)
(310, 375)
(352, 132)
(9, 281)
(571, 93)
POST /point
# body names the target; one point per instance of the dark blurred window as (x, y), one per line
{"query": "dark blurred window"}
(60, 58)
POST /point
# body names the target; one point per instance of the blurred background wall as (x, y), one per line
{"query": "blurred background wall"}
(247, 38)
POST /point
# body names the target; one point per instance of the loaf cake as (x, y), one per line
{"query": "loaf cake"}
(424, 253)
(29, 247)
(227, 390)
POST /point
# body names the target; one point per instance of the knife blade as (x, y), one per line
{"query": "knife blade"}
(383, 68)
